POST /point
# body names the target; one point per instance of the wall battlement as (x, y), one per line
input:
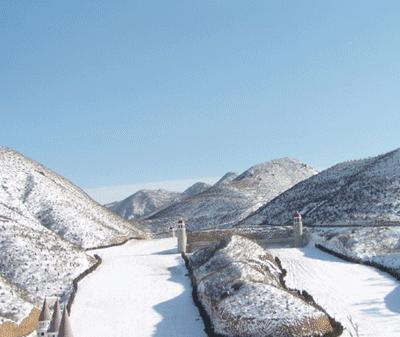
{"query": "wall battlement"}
(265, 236)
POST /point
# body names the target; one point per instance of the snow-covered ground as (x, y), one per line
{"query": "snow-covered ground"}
(379, 245)
(370, 297)
(238, 284)
(141, 289)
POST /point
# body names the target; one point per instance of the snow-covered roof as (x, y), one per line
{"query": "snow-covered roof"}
(65, 326)
(56, 318)
(45, 313)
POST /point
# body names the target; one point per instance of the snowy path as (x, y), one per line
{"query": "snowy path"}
(370, 297)
(140, 290)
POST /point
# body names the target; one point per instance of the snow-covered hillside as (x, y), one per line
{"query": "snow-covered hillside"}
(379, 246)
(146, 202)
(34, 261)
(45, 221)
(230, 200)
(14, 303)
(238, 284)
(355, 192)
(35, 191)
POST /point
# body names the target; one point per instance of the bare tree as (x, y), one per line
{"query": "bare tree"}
(355, 332)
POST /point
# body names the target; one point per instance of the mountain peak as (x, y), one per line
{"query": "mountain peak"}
(196, 189)
(274, 168)
(146, 202)
(357, 192)
(233, 197)
(227, 177)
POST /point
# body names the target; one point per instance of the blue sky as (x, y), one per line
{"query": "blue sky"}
(121, 92)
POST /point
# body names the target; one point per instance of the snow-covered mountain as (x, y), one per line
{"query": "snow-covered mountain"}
(45, 222)
(36, 192)
(146, 202)
(195, 189)
(355, 192)
(231, 200)
(226, 178)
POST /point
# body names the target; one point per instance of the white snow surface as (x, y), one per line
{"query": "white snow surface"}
(233, 197)
(370, 297)
(142, 290)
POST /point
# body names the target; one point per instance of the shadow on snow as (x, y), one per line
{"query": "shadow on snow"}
(175, 318)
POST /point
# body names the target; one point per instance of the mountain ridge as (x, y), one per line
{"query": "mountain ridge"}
(358, 191)
(226, 203)
(146, 202)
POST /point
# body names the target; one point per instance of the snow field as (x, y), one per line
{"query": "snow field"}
(142, 290)
(370, 297)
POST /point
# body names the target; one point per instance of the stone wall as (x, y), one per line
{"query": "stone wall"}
(79, 278)
(264, 236)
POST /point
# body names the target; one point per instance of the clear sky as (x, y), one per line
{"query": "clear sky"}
(124, 92)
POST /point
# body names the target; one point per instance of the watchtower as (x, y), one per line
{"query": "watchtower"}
(181, 235)
(298, 230)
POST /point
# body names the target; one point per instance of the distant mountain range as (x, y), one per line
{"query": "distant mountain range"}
(45, 224)
(146, 202)
(355, 192)
(232, 198)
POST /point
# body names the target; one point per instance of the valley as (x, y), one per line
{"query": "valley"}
(51, 229)
(141, 289)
